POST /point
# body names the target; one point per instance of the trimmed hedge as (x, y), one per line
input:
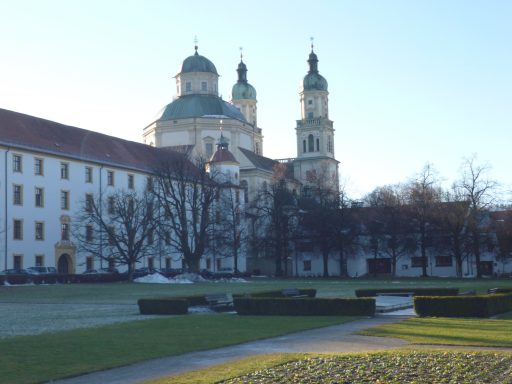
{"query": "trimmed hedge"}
(415, 291)
(163, 306)
(268, 306)
(463, 306)
(279, 293)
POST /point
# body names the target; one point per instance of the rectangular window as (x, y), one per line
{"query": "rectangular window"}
(38, 166)
(64, 231)
(88, 232)
(17, 197)
(17, 229)
(39, 197)
(208, 148)
(110, 178)
(39, 260)
(151, 262)
(149, 184)
(150, 209)
(167, 263)
(131, 182)
(89, 263)
(64, 171)
(88, 174)
(416, 262)
(111, 236)
(39, 230)
(111, 205)
(203, 86)
(64, 200)
(17, 261)
(443, 261)
(150, 237)
(89, 203)
(17, 163)
(188, 86)
(307, 265)
(310, 102)
(167, 238)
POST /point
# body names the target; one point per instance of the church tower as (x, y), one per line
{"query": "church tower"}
(243, 96)
(315, 161)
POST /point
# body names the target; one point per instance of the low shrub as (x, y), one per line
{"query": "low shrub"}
(415, 291)
(279, 293)
(463, 306)
(279, 306)
(163, 306)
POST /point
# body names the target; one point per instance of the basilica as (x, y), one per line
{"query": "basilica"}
(50, 169)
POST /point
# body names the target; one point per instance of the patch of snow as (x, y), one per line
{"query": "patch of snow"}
(231, 280)
(199, 310)
(194, 277)
(154, 278)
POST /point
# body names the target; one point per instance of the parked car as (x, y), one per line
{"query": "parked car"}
(16, 276)
(44, 275)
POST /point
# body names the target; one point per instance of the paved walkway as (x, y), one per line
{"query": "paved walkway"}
(338, 338)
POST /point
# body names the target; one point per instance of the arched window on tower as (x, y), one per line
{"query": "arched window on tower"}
(329, 144)
(317, 145)
(304, 146)
(311, 143)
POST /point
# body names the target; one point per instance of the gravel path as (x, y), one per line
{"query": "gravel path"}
(338, 338)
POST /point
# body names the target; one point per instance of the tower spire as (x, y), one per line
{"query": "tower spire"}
(313, 59)
(242, 69)
(195, 44)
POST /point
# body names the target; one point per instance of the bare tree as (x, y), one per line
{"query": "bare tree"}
(185, 193)
(230, 232)
(453, 219)
(397, 239)
(275, 211)
(423, 195)
(480, 192)
(117, 228)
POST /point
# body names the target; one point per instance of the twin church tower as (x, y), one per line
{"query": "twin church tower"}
(198, 118)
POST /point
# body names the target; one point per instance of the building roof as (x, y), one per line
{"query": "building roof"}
(199, 106)
(22, 131)
(197, 63)
(259, 161)
(223, 155)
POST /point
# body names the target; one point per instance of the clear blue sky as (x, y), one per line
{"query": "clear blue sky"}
(410, 82)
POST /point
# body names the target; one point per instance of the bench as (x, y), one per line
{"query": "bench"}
(492, 291)
(471, 292)
(220, 301)
(292, 292)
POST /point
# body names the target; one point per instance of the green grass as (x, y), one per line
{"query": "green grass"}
(129, 293)
(49, 356)
(448, 331)
(390, 367)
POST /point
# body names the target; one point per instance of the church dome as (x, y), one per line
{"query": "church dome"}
(197, 63)
(199, 106)
(242, 91)
(314, 81)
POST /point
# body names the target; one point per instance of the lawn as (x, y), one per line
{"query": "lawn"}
(62, 354)
(449, 331)
(397, 367)
(128, 293)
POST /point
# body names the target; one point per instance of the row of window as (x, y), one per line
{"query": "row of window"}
(17, 261)
(17, 166)
(17, 197)
(39, 230)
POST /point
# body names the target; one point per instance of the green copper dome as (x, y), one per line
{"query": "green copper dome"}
(199, 106)
(197, 63)
(242, 89)
(314, 80)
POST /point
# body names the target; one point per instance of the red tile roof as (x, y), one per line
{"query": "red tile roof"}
(22, 131)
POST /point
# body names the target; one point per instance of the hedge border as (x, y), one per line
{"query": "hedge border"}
(279, 306)
(463, 306)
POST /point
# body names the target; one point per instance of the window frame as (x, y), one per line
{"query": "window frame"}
(17, 194)
(39, 229)
(17, 163)
(17, 229)
(64, 170)
(38, 166)
(88, 174)
(39, 197)
(64, 200)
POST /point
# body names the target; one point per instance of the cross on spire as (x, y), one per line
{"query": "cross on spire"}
(241, 53)
(312, 39)
(195, 43)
